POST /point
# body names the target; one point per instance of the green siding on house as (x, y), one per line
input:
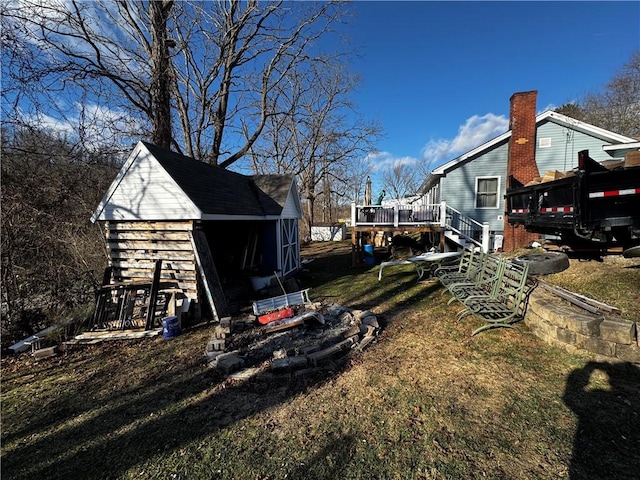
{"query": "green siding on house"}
(458, 186)
(562, 154)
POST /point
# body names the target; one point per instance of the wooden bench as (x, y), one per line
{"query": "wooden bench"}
(505, 305)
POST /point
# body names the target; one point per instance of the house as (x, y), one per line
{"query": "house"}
(473, 185)
(211, 227)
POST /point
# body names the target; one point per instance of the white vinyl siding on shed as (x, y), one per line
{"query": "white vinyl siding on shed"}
(292, 208)
(145, 191)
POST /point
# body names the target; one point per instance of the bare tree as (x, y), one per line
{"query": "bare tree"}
(215, 73)
(313, 138)
(161, 78)
(354, 178)
(52, 257)
(617, 106)
(400, 179)
(68, 59)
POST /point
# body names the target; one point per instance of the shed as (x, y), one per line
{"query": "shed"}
(211, 227)
(328, 232)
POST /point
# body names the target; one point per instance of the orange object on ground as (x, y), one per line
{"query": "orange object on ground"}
(272, 317)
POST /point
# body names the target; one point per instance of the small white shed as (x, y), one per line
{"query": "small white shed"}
(162, 205)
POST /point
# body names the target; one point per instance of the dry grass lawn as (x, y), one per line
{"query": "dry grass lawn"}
(427, 401)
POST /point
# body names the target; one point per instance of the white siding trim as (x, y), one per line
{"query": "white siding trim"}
(558, 118)
(114, 185)
(280, 261)
(585, 127)
(292, 207)
(622, 146)
(221, 216)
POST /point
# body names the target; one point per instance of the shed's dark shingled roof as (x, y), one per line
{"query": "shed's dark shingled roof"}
(275, 186)
(216, 190)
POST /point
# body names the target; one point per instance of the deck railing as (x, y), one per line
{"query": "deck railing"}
(381, 216)
(397, 215)
(467, 228)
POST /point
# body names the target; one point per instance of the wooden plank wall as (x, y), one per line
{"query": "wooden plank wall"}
(135, 246)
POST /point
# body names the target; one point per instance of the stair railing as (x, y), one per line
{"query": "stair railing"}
(472, 231)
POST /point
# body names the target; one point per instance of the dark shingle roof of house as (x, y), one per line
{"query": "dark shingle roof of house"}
(218, 191)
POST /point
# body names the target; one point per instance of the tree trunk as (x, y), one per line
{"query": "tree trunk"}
(310, 208)
(161, 77)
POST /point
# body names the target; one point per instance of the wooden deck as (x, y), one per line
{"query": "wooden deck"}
(366, 220)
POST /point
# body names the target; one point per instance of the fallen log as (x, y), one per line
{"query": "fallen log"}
(333, 350)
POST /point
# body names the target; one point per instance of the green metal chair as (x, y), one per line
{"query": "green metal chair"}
(487, 281)
(506, 306)
(468, 269)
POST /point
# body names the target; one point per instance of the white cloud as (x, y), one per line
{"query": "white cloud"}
(473, 133)
(380, 161)
(95, 125)
(99, 122)
(109, 33)
(50, 123)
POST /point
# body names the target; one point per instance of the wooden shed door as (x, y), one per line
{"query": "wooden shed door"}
(290, 246)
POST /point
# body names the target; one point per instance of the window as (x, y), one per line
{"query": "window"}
(544, 142)
(487, 189)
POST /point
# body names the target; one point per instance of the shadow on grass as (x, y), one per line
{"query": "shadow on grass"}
(330, 462)
(332, 278)
(93, 435)
(130, 429)
(607, 440)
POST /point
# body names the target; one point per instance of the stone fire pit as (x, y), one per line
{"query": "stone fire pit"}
(318, 336)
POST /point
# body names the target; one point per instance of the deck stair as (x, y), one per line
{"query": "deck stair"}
(465, 231)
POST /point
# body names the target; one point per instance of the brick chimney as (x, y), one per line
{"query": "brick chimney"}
(521, 161)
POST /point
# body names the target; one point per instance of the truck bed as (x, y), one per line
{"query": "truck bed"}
(590, 204)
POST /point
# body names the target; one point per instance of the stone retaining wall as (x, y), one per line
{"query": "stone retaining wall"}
(558, 322)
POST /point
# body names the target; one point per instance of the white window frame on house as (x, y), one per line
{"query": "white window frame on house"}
(497, 192)
(544, 142)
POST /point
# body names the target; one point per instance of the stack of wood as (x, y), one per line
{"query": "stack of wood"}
(550, 176)
(632, 159)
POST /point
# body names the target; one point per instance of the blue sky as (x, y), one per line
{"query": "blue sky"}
(438, 75)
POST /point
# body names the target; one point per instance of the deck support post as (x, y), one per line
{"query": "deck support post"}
(443, 214)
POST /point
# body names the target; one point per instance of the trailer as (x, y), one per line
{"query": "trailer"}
(591, 207)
